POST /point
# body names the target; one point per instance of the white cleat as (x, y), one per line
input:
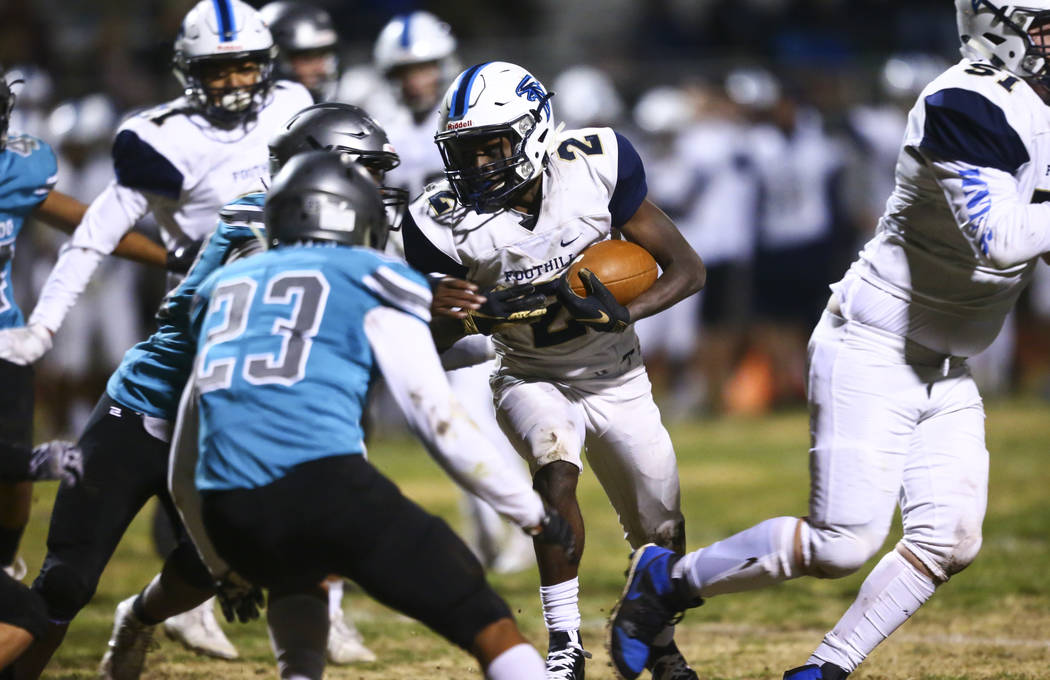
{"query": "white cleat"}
(345, 643)
(198, 631)
(17, 569)
(131, 639)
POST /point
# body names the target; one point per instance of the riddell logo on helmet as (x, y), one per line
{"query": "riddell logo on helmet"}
(460, 124)
(229, 47)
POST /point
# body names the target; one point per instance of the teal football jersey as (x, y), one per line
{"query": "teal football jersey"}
(28, 171)
(284, 365)
(154, 372)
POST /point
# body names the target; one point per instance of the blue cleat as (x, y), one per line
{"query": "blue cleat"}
(827, 671)
(651, 601)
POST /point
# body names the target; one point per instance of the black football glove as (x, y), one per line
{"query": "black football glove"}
(239, 599)
(555, 529)
(516, 304)
(182, 256)
(598, 309)
(57, 459)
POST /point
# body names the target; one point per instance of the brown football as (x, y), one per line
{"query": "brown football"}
(626, 269)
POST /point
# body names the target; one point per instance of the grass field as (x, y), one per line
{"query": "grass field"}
(991, 621)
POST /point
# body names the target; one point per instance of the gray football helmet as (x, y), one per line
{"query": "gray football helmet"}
(303, 29)
(348, 130)
(325, 196)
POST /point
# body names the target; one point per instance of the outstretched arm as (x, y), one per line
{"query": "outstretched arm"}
(409, 363)
(63, 212)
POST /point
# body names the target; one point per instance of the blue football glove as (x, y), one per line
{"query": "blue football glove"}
(598, 309)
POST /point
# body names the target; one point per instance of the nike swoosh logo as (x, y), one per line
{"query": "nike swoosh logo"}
(565, 243)
(604, 318)
(749, 562)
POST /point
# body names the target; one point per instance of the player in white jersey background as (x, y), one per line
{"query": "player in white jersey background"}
(522, 200)
(184, 159)
(896, 418)
(180, 161)
(416, 55)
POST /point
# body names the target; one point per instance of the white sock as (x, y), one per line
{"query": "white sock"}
(298, 626)
(754, 558)
(893, 591)
(520, 662)
(335, 597)
(561, 605)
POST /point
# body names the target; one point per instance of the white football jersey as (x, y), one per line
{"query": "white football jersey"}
(188, 168)
(957, 242)
(593, 183)
(421, 162)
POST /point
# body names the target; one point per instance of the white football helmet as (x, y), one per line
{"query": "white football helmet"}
(86, 121)
(1003, 34)
(417, 38)
(587, 97)
(223, 30)
(299, 28)
(413, 39)
(485, 106)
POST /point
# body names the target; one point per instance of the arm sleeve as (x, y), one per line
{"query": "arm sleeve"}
(406, 356)
(631, 187)
(182, 468)
(1004, 227)
(468, 351)
(111, 215)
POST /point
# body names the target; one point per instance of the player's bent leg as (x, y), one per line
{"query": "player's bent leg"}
(181, 597)
(297, 622)
(504, 654)
(892, 592)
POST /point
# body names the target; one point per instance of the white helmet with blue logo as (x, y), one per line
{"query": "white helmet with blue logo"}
(1015, 37)
(486, 104)
(223, 31)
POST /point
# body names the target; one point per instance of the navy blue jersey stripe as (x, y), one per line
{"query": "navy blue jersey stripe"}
(461, 99)
(423, 255)
(227, 27)
(139, 166)
(962, 125)
(631, 187)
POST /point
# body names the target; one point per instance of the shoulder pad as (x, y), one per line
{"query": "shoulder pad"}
(441, 204)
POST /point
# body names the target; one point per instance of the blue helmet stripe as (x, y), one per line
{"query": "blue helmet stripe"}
(406, 20)
(461, 98)
(227, 27)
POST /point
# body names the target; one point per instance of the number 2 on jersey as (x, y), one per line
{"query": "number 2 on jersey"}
(305, 291)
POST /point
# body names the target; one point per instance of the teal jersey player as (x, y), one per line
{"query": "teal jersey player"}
(284, 366)
(153, 373)
(28, 172)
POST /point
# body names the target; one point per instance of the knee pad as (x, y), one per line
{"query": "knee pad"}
(187, 562)
(834, 552)
(945, 559)
(64, 590)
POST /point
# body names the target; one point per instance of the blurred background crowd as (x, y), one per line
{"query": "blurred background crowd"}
(769, 129)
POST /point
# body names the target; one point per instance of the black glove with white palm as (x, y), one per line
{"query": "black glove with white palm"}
(598, 309)
(556, 529)
(516, 304)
